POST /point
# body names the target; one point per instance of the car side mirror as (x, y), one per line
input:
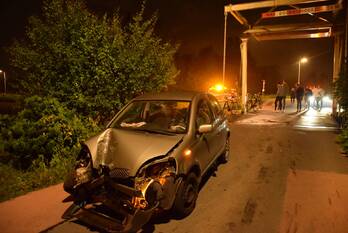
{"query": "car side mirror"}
(205, 128)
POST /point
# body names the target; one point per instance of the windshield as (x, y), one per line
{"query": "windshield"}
(165, 116)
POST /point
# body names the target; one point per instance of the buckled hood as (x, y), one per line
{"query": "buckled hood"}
(127, 149)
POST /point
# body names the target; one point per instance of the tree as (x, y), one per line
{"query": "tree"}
(341, 94)
(91, 63)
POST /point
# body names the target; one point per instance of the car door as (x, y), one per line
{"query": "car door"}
(219, 125)
(206, 146)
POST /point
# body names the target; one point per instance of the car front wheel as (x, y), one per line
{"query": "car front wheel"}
(186, 196)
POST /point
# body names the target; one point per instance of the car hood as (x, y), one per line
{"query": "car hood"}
(127, 149)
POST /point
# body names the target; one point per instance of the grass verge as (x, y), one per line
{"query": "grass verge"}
(17, 182)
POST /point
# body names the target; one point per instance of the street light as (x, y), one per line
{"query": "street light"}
(302, 60)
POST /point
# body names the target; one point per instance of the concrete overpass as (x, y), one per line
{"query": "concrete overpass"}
(324, 26)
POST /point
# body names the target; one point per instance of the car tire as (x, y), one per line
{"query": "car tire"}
(226, 154)
(186, 196)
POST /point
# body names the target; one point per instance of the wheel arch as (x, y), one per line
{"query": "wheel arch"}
(195, 169)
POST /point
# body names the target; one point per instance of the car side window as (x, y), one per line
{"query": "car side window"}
(204, 114)
(215, 106)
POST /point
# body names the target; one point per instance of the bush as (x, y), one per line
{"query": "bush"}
(343, 140)
(10, 103)
(341, 94)
(39, 146)
(43, 132)
(11, 182)
(16, 182)
(11, 98)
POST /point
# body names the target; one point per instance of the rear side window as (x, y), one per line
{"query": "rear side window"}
(215, 105)
(204, 114)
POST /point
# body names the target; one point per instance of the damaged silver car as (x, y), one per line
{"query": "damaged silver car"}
(150, 158)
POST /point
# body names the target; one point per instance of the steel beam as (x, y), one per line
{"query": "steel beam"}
(290, 31)
(240, 18)
(263, 4)
(301, 11)
(313, 15)
(289, 36)
(289, 27)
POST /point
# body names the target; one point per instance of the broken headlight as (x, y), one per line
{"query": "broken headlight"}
(83, 168)
(152, 181)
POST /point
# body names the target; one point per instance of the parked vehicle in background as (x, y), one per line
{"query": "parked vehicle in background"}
(150, 157)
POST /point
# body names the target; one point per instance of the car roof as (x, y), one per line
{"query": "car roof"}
(170, 95)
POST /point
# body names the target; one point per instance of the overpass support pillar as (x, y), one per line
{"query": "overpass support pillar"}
(244, 63)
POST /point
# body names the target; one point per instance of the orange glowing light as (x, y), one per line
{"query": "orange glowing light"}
(187, 152)
(217, 88)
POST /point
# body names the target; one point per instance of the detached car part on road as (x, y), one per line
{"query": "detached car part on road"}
(150, 157)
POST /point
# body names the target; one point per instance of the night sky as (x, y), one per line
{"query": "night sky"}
(197, 25)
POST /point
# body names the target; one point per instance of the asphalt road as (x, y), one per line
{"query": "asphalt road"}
(286, 174)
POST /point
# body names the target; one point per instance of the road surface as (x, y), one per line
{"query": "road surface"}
(286, 174)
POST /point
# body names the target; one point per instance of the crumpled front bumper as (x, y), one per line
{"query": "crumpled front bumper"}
(131, 222)
(121, 215)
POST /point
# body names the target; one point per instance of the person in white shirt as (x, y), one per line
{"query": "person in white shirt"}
(318, 94)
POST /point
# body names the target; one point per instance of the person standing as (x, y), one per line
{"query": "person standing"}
(278, 99)
(308, 93)
(292, 95)
(299, 97)
(318, 94)
(284, 90)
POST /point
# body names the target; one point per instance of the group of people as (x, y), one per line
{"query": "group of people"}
(298, 93)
